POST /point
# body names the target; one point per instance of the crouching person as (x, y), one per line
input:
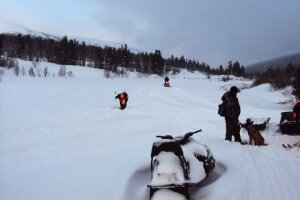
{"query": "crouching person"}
(123, 98)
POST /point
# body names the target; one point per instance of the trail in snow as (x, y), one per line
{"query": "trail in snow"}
(63, 139)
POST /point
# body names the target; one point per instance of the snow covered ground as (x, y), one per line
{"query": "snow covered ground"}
(65, 139)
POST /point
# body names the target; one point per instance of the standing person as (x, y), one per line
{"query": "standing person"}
(232, 113)
(296, 111)
(123, 98)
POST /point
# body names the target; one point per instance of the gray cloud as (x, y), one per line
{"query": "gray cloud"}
(211, 31)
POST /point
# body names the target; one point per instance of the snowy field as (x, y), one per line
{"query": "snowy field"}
(66, 139)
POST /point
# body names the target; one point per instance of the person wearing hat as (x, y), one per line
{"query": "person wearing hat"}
(232, 113)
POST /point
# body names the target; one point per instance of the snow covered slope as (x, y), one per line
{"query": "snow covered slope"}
(65, 139)
(10, 27)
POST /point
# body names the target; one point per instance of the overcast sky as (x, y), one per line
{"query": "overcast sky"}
(211, 31)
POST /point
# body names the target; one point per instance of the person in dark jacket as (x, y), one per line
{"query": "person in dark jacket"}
(123, 98)
(296, 111)
(232, 113)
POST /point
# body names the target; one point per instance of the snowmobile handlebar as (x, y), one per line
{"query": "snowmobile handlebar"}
(185, 138)
(182, 139)
(170, 137)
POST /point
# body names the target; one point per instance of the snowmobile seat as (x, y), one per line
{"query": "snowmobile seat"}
(170, 146)
(287, 116)
(288, 124)
(290, 128)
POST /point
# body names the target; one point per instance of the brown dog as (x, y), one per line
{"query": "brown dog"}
(253, 133)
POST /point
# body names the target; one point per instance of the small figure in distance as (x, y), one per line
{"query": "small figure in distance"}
(123, 98)
(166, 84)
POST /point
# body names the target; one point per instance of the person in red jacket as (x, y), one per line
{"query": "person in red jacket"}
(123, 98)
(296, 111)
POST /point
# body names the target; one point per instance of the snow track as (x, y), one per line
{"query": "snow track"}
(66, 139)
(263, 176)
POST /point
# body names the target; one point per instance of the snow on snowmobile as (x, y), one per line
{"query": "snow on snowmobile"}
(178, 163)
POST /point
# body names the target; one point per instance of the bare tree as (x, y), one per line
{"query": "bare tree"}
(1, 73)
(23, 71)
(45, 72)
(225, 78)
(34, 62)
(11, 63)
(107, 73)
(4, 59)
(62, 71)
(31, 72)
(38, 72)
(70, 74)
(208, 75)
(16, 69)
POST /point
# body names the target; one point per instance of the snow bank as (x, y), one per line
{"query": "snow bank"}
(65, 138)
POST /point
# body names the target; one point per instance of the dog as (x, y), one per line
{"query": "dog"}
(253, 133)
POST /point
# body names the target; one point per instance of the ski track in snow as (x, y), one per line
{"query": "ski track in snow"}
(267, 179)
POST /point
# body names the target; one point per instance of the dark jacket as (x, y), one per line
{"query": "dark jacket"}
(166, 79)
(232, 106)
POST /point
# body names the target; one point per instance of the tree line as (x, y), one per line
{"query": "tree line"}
(280, 78)
(66, 51)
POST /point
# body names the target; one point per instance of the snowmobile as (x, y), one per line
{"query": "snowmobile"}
(166, 84)
(177, 164)
(288, 124)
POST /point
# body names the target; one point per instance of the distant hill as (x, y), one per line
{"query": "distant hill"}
(279, 62)
(14, 28)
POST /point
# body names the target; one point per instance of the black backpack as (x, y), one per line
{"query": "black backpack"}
(221, 109)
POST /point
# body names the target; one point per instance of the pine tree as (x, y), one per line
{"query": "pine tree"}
(236, 70)
(28, 47)
(221, 70)
(1, 43)
(20, 46)
(157, 63)
(82, 54)
(229, 68)
(62, 51)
